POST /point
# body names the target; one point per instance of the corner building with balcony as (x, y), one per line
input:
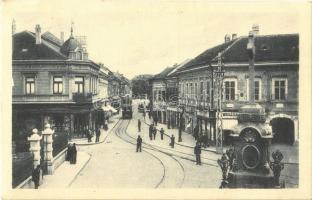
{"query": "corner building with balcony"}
(276, 85)
(56, 83)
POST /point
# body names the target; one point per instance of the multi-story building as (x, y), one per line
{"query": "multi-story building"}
(159, 94)
(276, 84)
(56, 83)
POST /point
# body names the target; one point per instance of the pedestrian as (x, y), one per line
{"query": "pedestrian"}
(36, 176)
(97, 135)
(69, 152)
(197, 152)
(150, 131)
(172, 138)
(144, 114)
(155, 120)
(139, 125)
(74, 154)
(89, 135)
(139, 144)
(154, 132)
(149, 114)
(162, 132)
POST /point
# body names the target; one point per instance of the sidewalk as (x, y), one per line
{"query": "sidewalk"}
(64, 175)
(111, 124)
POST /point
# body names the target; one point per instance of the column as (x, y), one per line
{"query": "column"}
(72, 128)
(90, 120)
(35, 147)
(48, 148)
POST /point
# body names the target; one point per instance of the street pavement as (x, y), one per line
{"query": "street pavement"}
(114, 162)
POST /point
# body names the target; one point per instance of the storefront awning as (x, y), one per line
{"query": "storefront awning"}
(109, 108)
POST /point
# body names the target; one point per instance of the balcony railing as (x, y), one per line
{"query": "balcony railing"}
(82, 97)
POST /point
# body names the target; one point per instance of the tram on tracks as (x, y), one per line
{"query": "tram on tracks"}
(126, 107)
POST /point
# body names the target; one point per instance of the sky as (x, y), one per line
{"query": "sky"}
(144, 37)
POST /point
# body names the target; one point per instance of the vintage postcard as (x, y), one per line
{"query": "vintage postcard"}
(138, 99)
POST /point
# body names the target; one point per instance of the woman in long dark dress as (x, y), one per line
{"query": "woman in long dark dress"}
(69, 153)
(74, 154)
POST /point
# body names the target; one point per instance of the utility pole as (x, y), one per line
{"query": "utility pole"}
(219, 126)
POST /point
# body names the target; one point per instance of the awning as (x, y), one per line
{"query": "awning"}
(105, 108)
(112, 109)
(109, 108)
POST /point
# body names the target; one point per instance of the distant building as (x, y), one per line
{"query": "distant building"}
(56, 83)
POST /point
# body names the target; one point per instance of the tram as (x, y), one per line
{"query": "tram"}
(126, 106)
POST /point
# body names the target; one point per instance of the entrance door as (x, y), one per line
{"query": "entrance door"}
(283, 130)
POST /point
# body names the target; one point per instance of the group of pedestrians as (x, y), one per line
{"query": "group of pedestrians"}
(71, 155)
(91, 133)
(152, 135)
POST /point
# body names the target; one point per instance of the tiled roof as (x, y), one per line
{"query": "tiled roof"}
(25, 48)
(206, 56)
(164, 73)
(268, 48)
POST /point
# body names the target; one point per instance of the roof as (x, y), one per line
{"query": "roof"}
(268, 48)
(207, 55)
(172, 73)
(279, 48)
(25, 48)
(164, 73)
(70, 45)
(52, 38)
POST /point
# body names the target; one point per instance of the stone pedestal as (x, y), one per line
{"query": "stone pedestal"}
(245, 179)
(48, 149)
(34, 140)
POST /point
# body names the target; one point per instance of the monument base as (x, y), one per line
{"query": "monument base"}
(246, 179)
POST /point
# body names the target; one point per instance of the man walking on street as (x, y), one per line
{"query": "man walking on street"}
(172, 141)
(197, 152)
(139, 125)
(150, 131)
(154, 132)
(97, 134)
(162, 132)
(139, 144)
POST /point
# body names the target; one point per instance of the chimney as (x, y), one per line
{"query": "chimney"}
(38, 34)
(255, 29)
(13, 27)
(227, 38)
(62, 37)
(234, 36)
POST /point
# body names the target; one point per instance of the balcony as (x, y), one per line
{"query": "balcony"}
(82, 97)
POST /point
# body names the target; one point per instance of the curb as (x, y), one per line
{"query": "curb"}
(87, 144)
(207, 150)
(84, 165)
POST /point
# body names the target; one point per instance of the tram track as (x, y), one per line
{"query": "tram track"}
(121, 132)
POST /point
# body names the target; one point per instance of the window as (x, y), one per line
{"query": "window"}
(192, 90)
(279, 89)
(201, 90)
(229, 90)
(79, 84)
(30, 85)
(187, 90)
(163, 95)
(159, 95)
(57, 85)
(257, 89)
(208, 91)
(196, 90)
